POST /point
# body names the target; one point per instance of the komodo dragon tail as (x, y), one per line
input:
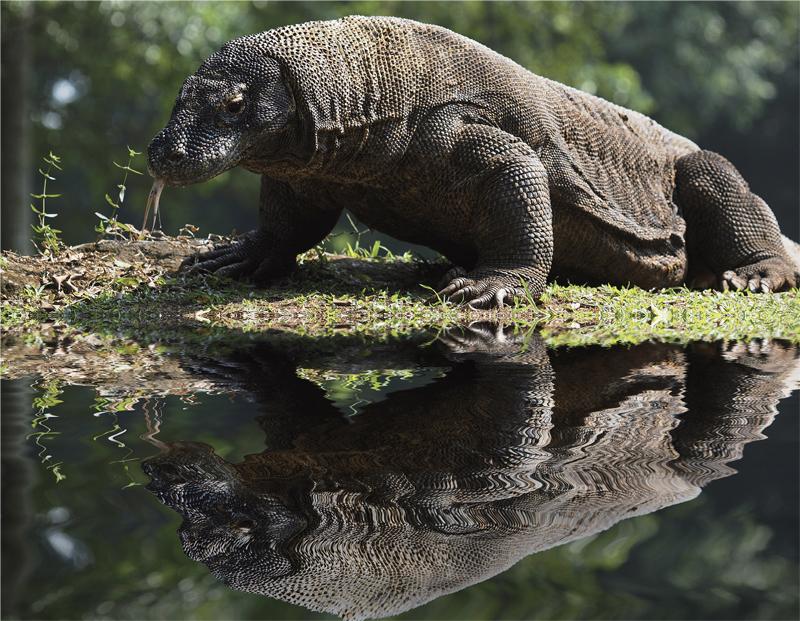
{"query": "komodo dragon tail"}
(793, 250)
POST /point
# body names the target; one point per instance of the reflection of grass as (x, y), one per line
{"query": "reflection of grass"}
(355, 389)
(45, 400)
(47, 397)
(106, 405)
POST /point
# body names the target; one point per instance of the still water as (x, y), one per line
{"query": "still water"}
(468, 474)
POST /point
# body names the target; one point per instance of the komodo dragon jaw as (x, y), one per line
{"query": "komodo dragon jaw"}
(193, 147)
(220, 515)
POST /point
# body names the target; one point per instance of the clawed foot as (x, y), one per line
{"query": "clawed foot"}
(477, 336)
(249, 257)
(773, 274)
(762, 354)
(482, 289)
(482, 337)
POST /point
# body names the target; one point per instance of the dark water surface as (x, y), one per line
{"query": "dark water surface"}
(471, 475)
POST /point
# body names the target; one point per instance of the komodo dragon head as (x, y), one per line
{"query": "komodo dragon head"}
(233, 105)
(221, 514)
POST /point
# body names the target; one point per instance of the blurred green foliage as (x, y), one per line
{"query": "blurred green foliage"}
(106, 75)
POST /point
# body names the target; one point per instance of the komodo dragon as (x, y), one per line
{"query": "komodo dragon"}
(437, 140)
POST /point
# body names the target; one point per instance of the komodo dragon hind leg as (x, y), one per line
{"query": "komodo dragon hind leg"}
(728, 228)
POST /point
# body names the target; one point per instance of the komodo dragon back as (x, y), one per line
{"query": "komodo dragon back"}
(614, 164)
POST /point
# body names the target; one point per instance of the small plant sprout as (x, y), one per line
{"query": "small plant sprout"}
(111, 225)
(442, 302)
(529, 297)
(357, 251)
(353, 250)
(46, 241)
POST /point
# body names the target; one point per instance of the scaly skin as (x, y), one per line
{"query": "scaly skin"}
(437, 140)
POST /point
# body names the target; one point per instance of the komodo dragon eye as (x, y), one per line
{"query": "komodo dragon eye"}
(243, 525)
(235, 105)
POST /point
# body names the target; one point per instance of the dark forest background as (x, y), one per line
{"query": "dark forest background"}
(86, 79)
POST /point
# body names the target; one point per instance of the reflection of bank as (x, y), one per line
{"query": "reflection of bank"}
(516, 449)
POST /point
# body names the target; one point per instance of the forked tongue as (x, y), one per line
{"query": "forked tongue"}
(152, 201)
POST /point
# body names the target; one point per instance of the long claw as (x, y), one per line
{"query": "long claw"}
(234, 269)
(767, 276)
(217, 262)
(732, 279)
(481, 291)
(462, 295)
(455, 285)
(484, 301)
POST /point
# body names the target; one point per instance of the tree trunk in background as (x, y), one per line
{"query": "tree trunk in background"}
(15, 165)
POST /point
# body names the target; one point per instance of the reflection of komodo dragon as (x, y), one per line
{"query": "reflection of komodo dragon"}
(437, 140)
(445, 485)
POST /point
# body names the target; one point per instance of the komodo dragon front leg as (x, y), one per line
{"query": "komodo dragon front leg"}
(497, 189)
(288, 223)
